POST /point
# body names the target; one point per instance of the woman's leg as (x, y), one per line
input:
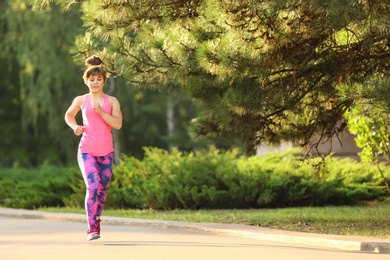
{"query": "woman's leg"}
(105, 175)
(89, 169)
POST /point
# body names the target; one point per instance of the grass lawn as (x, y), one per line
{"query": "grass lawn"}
(370, 220)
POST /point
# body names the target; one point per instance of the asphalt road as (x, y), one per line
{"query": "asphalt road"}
(24, 238)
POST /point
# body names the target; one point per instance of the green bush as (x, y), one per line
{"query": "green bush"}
(215, 179)
(209, 179)
(33, 188)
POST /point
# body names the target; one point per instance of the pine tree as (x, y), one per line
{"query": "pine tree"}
(263, 70)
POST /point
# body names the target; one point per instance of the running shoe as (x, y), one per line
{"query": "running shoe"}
(98, 226)
(93, 232)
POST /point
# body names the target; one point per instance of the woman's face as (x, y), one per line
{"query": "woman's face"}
(95, 83)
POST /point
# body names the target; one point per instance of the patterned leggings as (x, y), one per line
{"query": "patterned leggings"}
(97, 173)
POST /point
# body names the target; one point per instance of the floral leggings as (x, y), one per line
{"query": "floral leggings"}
(97, 173)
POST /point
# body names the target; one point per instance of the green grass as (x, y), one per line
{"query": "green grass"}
(369, 220)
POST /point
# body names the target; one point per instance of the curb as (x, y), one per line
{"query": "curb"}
(363, 244)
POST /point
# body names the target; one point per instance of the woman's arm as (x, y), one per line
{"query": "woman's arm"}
(70, 116)
(115, 119)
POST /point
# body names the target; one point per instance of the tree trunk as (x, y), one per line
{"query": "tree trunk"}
(115, 133)
(170, 122)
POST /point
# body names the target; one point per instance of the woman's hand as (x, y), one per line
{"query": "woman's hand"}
(79, 130)
(96, 106)
(70, 115)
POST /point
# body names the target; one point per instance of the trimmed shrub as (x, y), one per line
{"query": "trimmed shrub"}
(46, 186)
(215, 179)
(209, 179)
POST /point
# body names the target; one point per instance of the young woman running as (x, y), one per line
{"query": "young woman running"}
(100, 113)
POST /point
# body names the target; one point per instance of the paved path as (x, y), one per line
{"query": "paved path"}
(38, 235)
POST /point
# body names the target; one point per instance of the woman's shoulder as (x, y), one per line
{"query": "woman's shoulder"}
(112, 99)
(80, 100)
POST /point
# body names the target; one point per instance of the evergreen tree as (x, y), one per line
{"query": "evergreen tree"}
(263, 70)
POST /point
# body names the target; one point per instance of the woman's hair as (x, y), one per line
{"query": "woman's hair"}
(93, 61)
(94, 67)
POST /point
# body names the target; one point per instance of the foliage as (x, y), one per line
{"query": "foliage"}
(369, 119)
(145, 120)
(41, 79)
(33, 188)
(10, 103)
(210, 179)
(263, 70)
(372, 131)
(215, 179)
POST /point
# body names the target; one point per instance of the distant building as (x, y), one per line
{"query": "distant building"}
(342, 146)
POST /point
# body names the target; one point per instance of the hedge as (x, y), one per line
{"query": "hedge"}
(207, 179)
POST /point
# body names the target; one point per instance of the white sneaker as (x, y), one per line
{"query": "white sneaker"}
(93, 236)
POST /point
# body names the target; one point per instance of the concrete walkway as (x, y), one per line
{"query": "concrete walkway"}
(354, 243)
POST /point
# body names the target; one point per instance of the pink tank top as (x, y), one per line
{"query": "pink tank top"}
(97, 137)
